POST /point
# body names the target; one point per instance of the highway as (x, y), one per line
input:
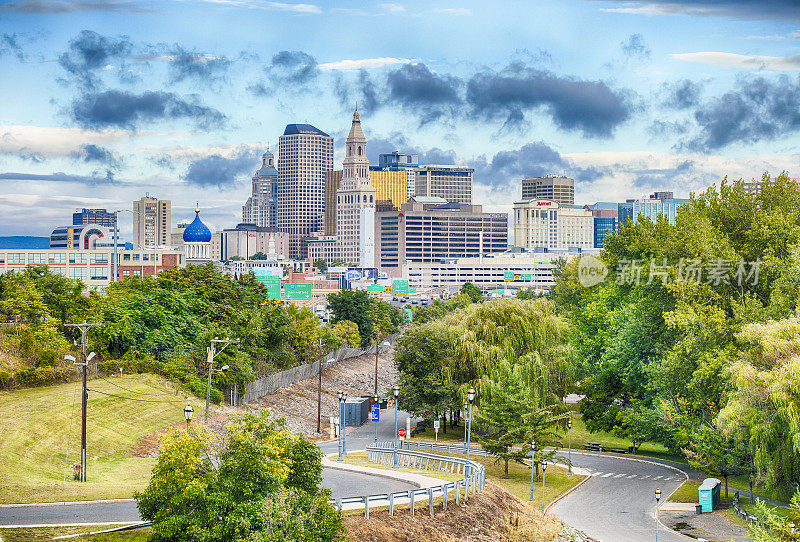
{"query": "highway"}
(617, 504)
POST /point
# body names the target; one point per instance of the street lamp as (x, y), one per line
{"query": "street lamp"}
(212, 351)
(465, 426)
(544, 471)
(376, 400)
(187, 413)
(658, 498)
(533, 464)
(339, 424)
(396, 392)
(471, 398)
(344, 423)
(569, 452)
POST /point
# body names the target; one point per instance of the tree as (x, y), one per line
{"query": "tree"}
(259, 256)
(711, 450)
(259, 482)
(321, 264)
(352, 305)
(338, 263)
(472, 291)
(20, 299)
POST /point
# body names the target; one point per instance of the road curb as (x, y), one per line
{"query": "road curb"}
(557, 499)
(64, 503)
(419, 480)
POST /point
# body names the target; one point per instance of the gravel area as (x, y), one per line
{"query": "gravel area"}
(713, 527)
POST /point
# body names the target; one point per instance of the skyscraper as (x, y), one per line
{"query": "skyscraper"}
(262, 206)
(93, 216)
(550, 187)
(453, 183)
(305, 153)
(152, 222)
(390, 193)
(355, 202)
(396, 161)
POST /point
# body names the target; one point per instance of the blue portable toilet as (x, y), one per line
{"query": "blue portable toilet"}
(708, 494)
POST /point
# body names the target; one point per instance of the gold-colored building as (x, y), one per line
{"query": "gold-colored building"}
(391, 190)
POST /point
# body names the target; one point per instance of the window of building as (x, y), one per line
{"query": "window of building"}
(56, 257)
(98, 257)
(16, 257)
(136, 272)
(126, 273)
(99, 272)
(36, 258)
(2, 258)
(77, 273)
(136, 257)
(77, 257)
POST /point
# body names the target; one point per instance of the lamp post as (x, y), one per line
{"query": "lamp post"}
(544, 471)
(533, 465)
(376, 400)
(339, 396)
(471, 398)
(211, 353)
(465, 426)
(658, 498)
(344, 423)
(396, 392)
(569, 450)
(187, 413)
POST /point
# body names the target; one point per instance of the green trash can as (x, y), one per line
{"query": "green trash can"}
(708, 494)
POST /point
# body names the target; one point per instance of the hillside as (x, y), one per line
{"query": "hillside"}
(40, 432)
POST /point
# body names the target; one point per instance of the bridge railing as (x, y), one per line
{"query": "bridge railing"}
(474, 480)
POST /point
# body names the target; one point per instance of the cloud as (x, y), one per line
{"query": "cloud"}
(664, 178)
(589, 107)
(635, 47)
(290, 69)
(682, 94)
(221, 171)
(362, 63)
(89, 153)
(737, 9)
(748, 62)
(453, 11)
(90, 52)
(302, 9)
(53, 141)
(10, 45)
(416, 87)
(757, 109)
(393, 8)
(58, 7)
(203, 68)
(122, 109)
(59, 177)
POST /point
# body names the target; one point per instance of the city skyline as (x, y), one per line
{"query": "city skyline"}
(105, 101)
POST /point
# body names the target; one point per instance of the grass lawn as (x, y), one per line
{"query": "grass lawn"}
(40, 434)
(47, 533)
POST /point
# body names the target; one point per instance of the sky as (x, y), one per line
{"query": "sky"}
(102, 102)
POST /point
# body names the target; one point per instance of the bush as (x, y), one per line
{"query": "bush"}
(44, 376)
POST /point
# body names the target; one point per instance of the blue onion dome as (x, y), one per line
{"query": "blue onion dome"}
(197, 232)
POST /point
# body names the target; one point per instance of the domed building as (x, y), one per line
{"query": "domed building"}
(197, 241)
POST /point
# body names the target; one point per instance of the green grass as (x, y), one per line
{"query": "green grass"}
(686, 493)
(47, 533)
(40, 438)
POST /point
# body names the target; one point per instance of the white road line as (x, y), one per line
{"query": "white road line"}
(608, 474)
(657, 477)
(598, 473)
(645, 476)
(632, 476)
(619, 475)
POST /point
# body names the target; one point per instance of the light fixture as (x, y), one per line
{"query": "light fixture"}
(396, 391)
(471, 394)
(71, 358)
(569, 424)
(90, 356)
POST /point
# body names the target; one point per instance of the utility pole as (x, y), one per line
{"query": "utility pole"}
(377, 344)
(319, 390)
(211, 353)
(84, 327)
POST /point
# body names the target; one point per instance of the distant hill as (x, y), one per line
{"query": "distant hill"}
(24, 242)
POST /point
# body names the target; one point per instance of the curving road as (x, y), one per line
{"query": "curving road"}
(617, 504)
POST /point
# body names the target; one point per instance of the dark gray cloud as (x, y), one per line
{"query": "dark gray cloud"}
(635, 47)
(217, 170)
(682, 94)
(184, 64)
(91, 153)
(291, 71)
(664, 129)
(757, 109)
(89, 52)
(589, 107)
(671, 179)
(11, 44)
(60, 177)
(58, 7)
(124, 109)
(430, 95)
(738, 9)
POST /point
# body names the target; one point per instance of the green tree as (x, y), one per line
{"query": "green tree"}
(353, 305)
(321, 264)
(20, 299)
(259, 256)
(243, 488)
(472, 291)
(713, 451)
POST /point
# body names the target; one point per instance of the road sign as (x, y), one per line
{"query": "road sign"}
(400, 287)
(508, 275)
(401, 432)
(412, 289)
(376, 411)
(273, 285)
(409, 315)
(436, 429)
(352, 275)
(375, 288)
(525, 278)
(297, 291)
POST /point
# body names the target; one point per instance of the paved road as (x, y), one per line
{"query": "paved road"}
(617, 504)
(341, 484)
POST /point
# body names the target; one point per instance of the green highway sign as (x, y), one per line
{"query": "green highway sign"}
(400, 287)
(297, 291)
(525, 278)
(412, 290)
(375, 288)
(409, 315)
(273, 285)
(508, 275)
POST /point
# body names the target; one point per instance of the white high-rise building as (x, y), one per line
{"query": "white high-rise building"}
(261, 207)
(152, 222)
(305, 153)
(355, 202)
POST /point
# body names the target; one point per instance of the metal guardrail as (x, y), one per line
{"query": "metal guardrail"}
(384, 454)
(448, 448)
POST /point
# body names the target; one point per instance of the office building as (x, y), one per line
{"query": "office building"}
(396, 161)
(651, 207)
(261, 208)
(453, 183)
(84, 237)
(305, 153)
(176, 236)
(546, 225)
(755, 185)
(94, 267)
(391, 191)
(606, 220)
(246, 240)
(550, 187)
(428, 229)
(152, 222)
(93, 216)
